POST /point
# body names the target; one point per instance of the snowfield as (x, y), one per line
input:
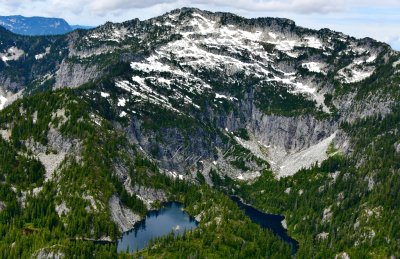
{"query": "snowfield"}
(11, 54)
(3, 101)
(314, 67)
(206, 45)
(354, 74)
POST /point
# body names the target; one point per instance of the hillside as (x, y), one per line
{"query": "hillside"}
(34, 26)
(99, 126)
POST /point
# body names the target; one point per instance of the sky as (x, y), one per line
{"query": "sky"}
(378, 19)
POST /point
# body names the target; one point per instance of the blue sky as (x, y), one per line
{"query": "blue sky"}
(360, 18)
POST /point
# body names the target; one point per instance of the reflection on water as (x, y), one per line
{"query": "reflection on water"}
(170, 218)
(268, 221)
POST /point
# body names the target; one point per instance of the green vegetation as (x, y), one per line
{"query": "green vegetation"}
(355, 203)
(37, 227)
(224, 232)
(348, 203)
(243, 134)
(275, 99)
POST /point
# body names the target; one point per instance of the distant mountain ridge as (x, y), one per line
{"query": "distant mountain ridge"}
(97, 127)
(37, 25)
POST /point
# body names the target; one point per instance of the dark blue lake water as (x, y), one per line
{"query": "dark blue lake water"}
(268, 221)
(170, 218)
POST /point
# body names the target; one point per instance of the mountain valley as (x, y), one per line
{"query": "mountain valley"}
(99, 126)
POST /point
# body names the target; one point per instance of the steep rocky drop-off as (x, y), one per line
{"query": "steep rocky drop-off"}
(122, 117)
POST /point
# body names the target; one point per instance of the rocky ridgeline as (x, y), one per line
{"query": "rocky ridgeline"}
(196, 91)
(178, 59)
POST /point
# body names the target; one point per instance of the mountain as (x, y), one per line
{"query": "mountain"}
(37, 25)
(83, 27)
(100, 126)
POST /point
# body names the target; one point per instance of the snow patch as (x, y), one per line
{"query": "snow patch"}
(371, 59)
(12, 54)
(221, 96)
(313, 42)
(121, 102)
(122, 114)
(3, 101)
(105, 95)
(117, 35)
(296, 87)
(42, 55)
(140, 90)
(7, 98)
(272, 35)
(175, 175)
(314, 67)
(354, 74)
(284, 45)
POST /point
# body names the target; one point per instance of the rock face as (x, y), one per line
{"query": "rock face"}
(327, 215)
(342, 255)
(146, 194)
(397, 147)
(2, 206)
(54, 153)
(291, 163)
(291, 133)
(287, 143)
(209, 60)
(71, 75)
(224, 71)
(48, 254)
(174, 153)
(62, 209)
(185, 84)
(10, 83)
(121, 215)
(201, 96)
(149, 195)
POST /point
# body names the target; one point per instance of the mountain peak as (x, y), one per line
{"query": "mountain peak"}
(35, 25)
(292, 120)
(228, 15)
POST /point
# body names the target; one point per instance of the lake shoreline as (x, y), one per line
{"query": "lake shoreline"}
(269, 221)
(170, 218)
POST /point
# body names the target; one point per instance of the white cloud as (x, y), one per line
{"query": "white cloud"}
(104, 6)
(296, 6)
(107, 5)
(360, 18)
